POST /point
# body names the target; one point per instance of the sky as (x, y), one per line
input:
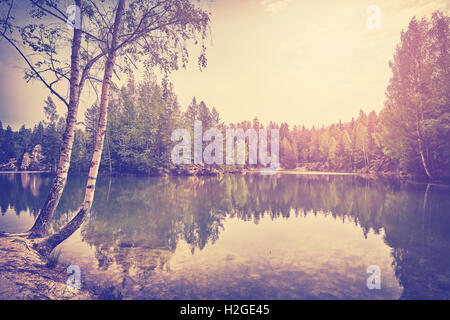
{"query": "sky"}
(310, 62)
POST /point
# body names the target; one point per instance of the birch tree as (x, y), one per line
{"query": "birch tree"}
(154, 33)
(39, 47)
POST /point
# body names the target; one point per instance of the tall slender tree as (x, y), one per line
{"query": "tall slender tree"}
(45, 38)
(157, 30)
(416, 115)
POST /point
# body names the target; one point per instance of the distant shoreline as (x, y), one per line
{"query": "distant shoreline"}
(297, 171)
(25, 172)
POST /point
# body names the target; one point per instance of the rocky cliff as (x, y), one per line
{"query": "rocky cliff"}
(31, 161)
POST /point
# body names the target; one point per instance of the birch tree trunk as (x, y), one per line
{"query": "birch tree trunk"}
(41, 225)
(48, 244)
(420, 143)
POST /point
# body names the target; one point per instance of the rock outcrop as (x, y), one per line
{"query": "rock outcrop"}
(198, 170)
(31, 161)
(10, 166)
(37, 159)
(26, 161)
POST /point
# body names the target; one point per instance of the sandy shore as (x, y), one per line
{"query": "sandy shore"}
(23, 275)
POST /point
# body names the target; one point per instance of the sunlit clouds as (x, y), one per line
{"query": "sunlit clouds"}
(274, 6)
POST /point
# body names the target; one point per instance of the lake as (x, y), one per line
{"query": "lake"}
(286, 236)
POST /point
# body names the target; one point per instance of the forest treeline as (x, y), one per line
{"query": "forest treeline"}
(143, 115)
(411, 135)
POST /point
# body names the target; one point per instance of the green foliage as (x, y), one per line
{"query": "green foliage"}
(415, 119)
(141, 119)
(48, 134)
(414, 122)
(288, 154)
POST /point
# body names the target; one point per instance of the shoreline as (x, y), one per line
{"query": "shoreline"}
(297, 171)
(24, 274)
(5, 172)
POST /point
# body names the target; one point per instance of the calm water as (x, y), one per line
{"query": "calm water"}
(249, 237)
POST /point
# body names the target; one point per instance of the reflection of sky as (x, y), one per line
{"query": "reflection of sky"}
(13, 223)
(311, 62)
(325, 255)
(296, 258)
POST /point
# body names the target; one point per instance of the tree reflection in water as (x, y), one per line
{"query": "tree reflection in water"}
(138, 222)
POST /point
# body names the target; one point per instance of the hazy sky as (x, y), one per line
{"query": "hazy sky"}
(304, 62)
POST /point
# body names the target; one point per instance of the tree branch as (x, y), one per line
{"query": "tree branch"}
(35, 71)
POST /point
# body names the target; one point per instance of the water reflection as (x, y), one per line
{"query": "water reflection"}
(284, 236)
